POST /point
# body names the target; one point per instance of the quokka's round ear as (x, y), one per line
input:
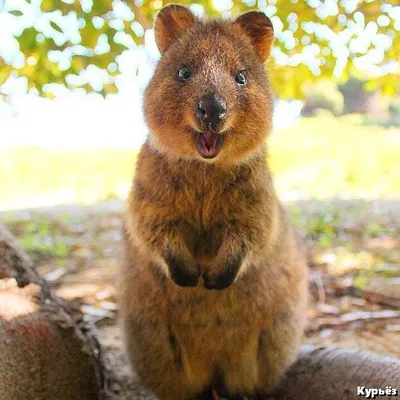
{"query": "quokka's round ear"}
(260, 30)
(170, 23)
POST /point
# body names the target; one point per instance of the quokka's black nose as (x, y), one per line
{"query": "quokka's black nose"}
(211, 111)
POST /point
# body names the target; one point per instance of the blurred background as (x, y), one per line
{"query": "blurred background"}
(72, 74)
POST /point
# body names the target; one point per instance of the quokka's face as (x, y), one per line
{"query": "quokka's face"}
(209, 98)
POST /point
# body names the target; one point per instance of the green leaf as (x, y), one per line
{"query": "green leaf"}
(287, 80)
(27, 41)
(56, 27)
(16, 13)
(47, 5)
(5, 71)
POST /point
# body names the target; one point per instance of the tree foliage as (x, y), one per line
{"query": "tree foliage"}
(323, 95)
(63, 41)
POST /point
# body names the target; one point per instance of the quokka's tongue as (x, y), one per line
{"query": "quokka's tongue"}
(209, 143)
(209, 140)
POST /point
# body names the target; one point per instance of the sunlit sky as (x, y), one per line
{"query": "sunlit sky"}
(75, 119)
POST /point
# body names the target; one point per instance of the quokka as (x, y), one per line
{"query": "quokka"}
(213, 286)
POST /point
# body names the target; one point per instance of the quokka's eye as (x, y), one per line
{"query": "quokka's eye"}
(184, 73)
(240, 78)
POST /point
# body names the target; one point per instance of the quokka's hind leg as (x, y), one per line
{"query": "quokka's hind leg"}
(278, 349)
(157, 359)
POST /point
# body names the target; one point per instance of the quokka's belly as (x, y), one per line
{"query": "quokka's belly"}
(213, 333)
(208, 352)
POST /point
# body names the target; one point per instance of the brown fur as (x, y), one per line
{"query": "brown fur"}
(209, 225)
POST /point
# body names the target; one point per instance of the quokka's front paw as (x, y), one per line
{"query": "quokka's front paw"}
(183, 273)
(222, 276)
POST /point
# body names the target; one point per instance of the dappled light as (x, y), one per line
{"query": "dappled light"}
(174, 166)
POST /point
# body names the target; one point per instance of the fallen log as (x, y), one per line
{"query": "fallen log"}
(47, 350)
(331, 373)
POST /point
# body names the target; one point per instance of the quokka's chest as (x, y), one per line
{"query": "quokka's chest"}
(208, 202)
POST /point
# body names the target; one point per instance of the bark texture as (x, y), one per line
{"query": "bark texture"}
(331, 373)
(47, 350)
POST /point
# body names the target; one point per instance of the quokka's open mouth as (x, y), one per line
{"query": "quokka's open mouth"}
(208, 143)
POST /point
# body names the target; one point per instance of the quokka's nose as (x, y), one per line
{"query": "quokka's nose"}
(211, 111)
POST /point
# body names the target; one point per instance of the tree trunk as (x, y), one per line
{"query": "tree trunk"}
(331, 373)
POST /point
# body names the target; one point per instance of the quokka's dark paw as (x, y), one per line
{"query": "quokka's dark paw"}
(226, 277)
(180, 272)
(220, 282)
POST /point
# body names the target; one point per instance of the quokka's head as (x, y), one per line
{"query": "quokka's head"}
(209, 98)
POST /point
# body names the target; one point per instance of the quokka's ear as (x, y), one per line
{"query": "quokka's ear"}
(170, 23)
(260, 30)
